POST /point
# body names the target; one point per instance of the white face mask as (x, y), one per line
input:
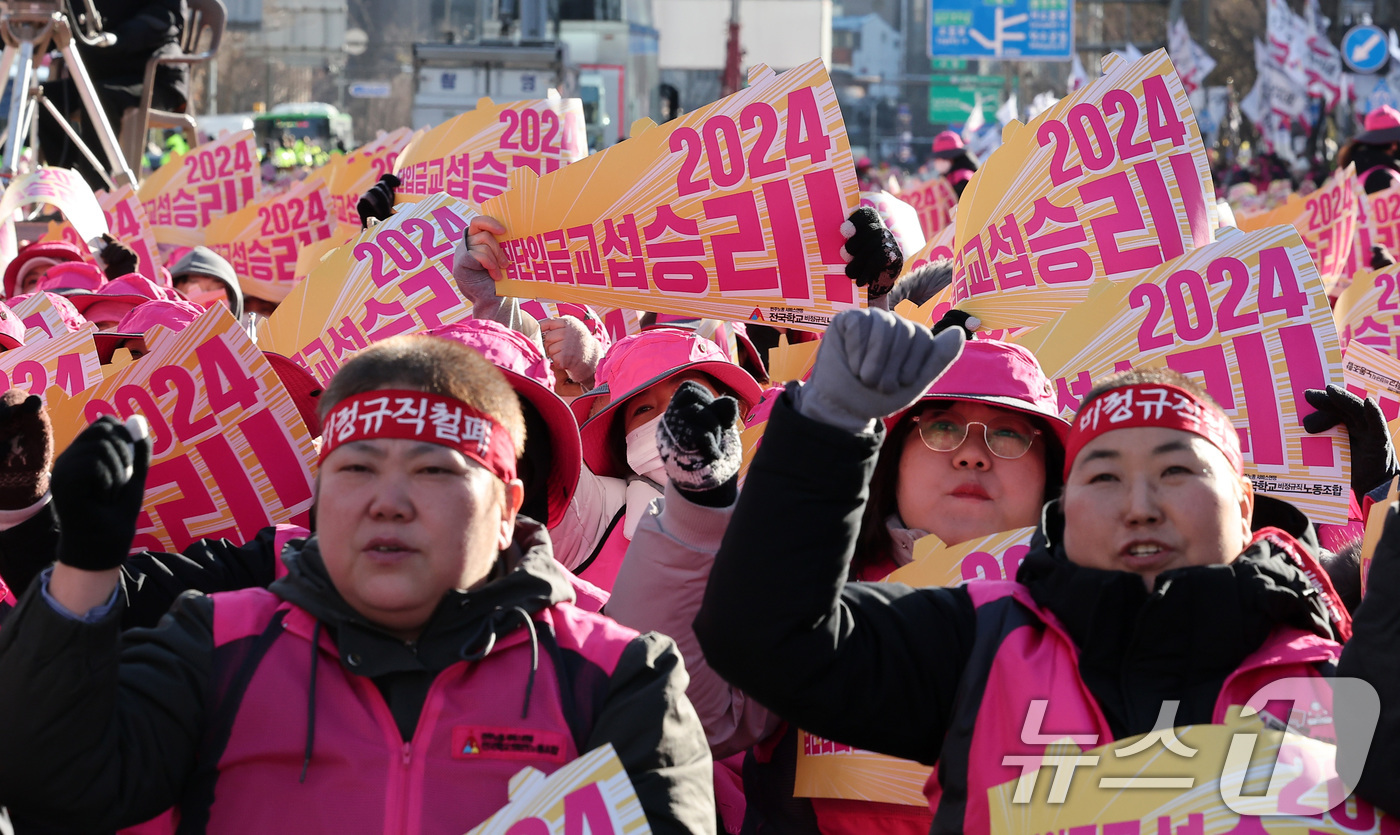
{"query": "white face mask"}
(642, 455)
(942, 166)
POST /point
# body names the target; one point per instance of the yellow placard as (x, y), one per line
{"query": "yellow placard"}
(832, 770)
(1377, 224)
(41, 319)
(1111, 181)
(186, 194)
(230, 453)
(791, 361)
(935, 201)
(470, 156)
(1368, 310)
(939, 246)
(65, 190)
(592, 794)
(1326, 220)
(732, 211)
(1248, 318)
(261, 241)
(350, 176)
(64, 364)
(994, 557)
(1110, 789)
(1370, 373)
(390, 279)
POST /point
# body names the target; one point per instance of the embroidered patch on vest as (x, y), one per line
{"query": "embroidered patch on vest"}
(470, 742)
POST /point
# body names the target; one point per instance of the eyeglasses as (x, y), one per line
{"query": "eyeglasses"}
(943, 431)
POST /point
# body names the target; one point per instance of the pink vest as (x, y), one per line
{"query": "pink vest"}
(602, 570)
(363, 776)
(1031, 657)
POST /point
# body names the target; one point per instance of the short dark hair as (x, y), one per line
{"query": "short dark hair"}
(1150, 376)
(434, 365)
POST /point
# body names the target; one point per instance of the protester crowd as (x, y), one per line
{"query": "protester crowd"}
(585, 559)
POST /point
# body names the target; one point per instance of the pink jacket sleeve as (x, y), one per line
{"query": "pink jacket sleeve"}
(659, 589)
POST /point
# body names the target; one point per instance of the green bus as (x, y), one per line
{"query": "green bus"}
(314, 123)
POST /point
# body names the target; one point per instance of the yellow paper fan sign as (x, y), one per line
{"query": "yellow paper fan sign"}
(66, 363)
(350, 176)
(732, 211)
(590, 796)
(471, 156)
(392, 278)
(230, 454)
(1326, 220)
(65, 190)
(186, 194)
(261, 240)
(1370, 373)
(1368, 310)
(935, 201)
(1111, 181)
(1248, 318)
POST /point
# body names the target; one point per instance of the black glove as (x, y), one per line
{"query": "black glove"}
(378, 202)
(26, 449)
(957, 319)
(1381, 258)
(98, 485)
(1372, 454)
(118, 259)
(698, 440)
(876, 259)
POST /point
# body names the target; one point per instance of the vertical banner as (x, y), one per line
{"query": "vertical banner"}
(1368, 311)
(393, 278)
(126, 217)
(470, 156)
(1110, 181)
(66, 363)
(185, 195)
(230, 453)
(262, 239)
(1326, 220)
(1248, 318)
(732, 211)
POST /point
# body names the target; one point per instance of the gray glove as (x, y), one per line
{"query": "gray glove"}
(872, 364)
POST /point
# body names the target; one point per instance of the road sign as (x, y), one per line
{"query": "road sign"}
(1022, 30)
(356, 41)
(951, 97)
(1364, 48)
(371, 90)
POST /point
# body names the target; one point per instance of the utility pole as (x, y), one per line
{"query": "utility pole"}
(732, 79)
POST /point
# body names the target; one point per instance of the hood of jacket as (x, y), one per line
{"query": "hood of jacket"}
(1176, 641)
(524, 580)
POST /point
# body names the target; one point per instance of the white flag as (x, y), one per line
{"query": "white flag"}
(1007, 113)
(975, 120)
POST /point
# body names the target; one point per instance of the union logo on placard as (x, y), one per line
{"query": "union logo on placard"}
(756, 316)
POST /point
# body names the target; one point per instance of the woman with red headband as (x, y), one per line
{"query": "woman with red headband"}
(1144, 584)
(420, 652)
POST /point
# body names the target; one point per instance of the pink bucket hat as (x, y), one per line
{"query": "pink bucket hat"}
(641, 361)
(527, 371)
(947, 145)
(1382, 126)
(37, 256)
(73, 321)
(73, 275)
(119, 296)
(11, 329)
(999, 374)
(175, 315)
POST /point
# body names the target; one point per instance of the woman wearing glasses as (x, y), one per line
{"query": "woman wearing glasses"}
(979, 454)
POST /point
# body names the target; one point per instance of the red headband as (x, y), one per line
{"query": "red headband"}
(1153, 404)
(419, 416)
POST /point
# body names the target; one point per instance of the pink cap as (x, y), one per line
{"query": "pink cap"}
(641, 361)
(528, 372)
(119, 296)
(1383, 117)
(73, 321)
(11, 329)
(175, 315)
(947, 141)
(42, 253)
(999, 374)
(73, 275)
(305, 391)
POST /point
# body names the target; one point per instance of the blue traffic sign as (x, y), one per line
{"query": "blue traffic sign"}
(1022, 30)
(1364, 48)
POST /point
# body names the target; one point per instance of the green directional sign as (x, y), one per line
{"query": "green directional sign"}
(951, 96)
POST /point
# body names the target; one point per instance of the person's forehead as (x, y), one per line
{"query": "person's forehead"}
(1145, 441)
(972, 410)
